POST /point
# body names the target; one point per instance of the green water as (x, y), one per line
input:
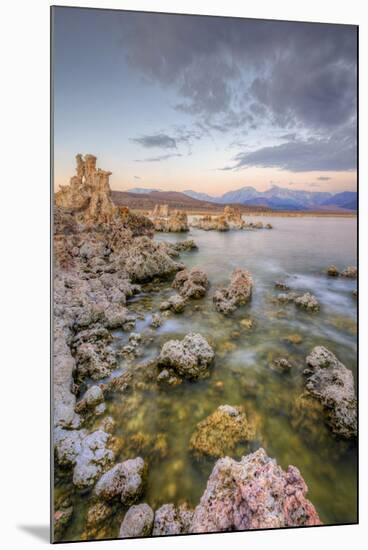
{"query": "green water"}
(296, 251)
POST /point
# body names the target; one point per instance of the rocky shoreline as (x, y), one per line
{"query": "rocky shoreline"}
(102, 256)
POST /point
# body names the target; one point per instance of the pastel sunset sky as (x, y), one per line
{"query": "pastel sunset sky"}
(205, 103)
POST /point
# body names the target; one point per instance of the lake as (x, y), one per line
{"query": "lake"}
(297, 252)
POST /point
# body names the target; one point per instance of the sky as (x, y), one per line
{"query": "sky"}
(177, 102)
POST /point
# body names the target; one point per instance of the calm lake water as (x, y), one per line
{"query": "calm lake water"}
(296, 251)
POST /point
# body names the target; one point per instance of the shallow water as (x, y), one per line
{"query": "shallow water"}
(296, 251)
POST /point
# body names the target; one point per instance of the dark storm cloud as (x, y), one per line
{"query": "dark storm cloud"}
(303, 73)
(159, 158)
(162, 141)
(337, 153)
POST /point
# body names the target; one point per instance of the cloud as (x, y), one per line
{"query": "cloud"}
(137, 177)
(335, 153)
(160, 158)
(286, 72)
(323, 178)
(162, 141)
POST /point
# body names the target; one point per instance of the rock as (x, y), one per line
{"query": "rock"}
(189, 358)
(61, 520)
(307, 301)
(100, 252)
(184, 246)
(211, 223)
(170, 520)
(94, 458)
(331, 383)
(332, 271)
(156, 320)
(165, 306)
(281, 364)
(138, 522)
(350, 272)
(161, 211)
(233, 217)
(269, 226)
(98, 514)
(281, 285)
(239, 292)
(68, 445)
(89, 192)
(94, 361)
(293, 339)
(164, 220)
(125, 480)
(220, 433)
(191, 283)
(286, 297)
(247, 323)
(93, 396)
(254, 493)
(177, 303)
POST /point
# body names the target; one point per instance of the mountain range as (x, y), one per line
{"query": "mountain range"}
(276, 198)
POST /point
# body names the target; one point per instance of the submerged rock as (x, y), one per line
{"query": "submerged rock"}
(138, 522)
(191, 283)
(281, 364)
(331, 383)
(188, 358)
(281, 285)
(218, 434)
(254, 493)
(125, 480)
(239, 292)
(171, 520)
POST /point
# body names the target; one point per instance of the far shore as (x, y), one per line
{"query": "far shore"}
(276, 214)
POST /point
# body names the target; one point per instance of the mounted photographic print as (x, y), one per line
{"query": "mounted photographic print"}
(204, 373)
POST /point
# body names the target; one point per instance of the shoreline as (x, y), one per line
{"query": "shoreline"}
(281, 214)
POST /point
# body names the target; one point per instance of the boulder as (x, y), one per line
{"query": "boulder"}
(220, 433)
(93, 459)
(189, 358)
(238, 293)
(138, 522)
(254, 493)
(171, 520)
(332, 271)
(191, 283)
(332, 384)
(125, 480)
(307, 301)
(350, 272)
